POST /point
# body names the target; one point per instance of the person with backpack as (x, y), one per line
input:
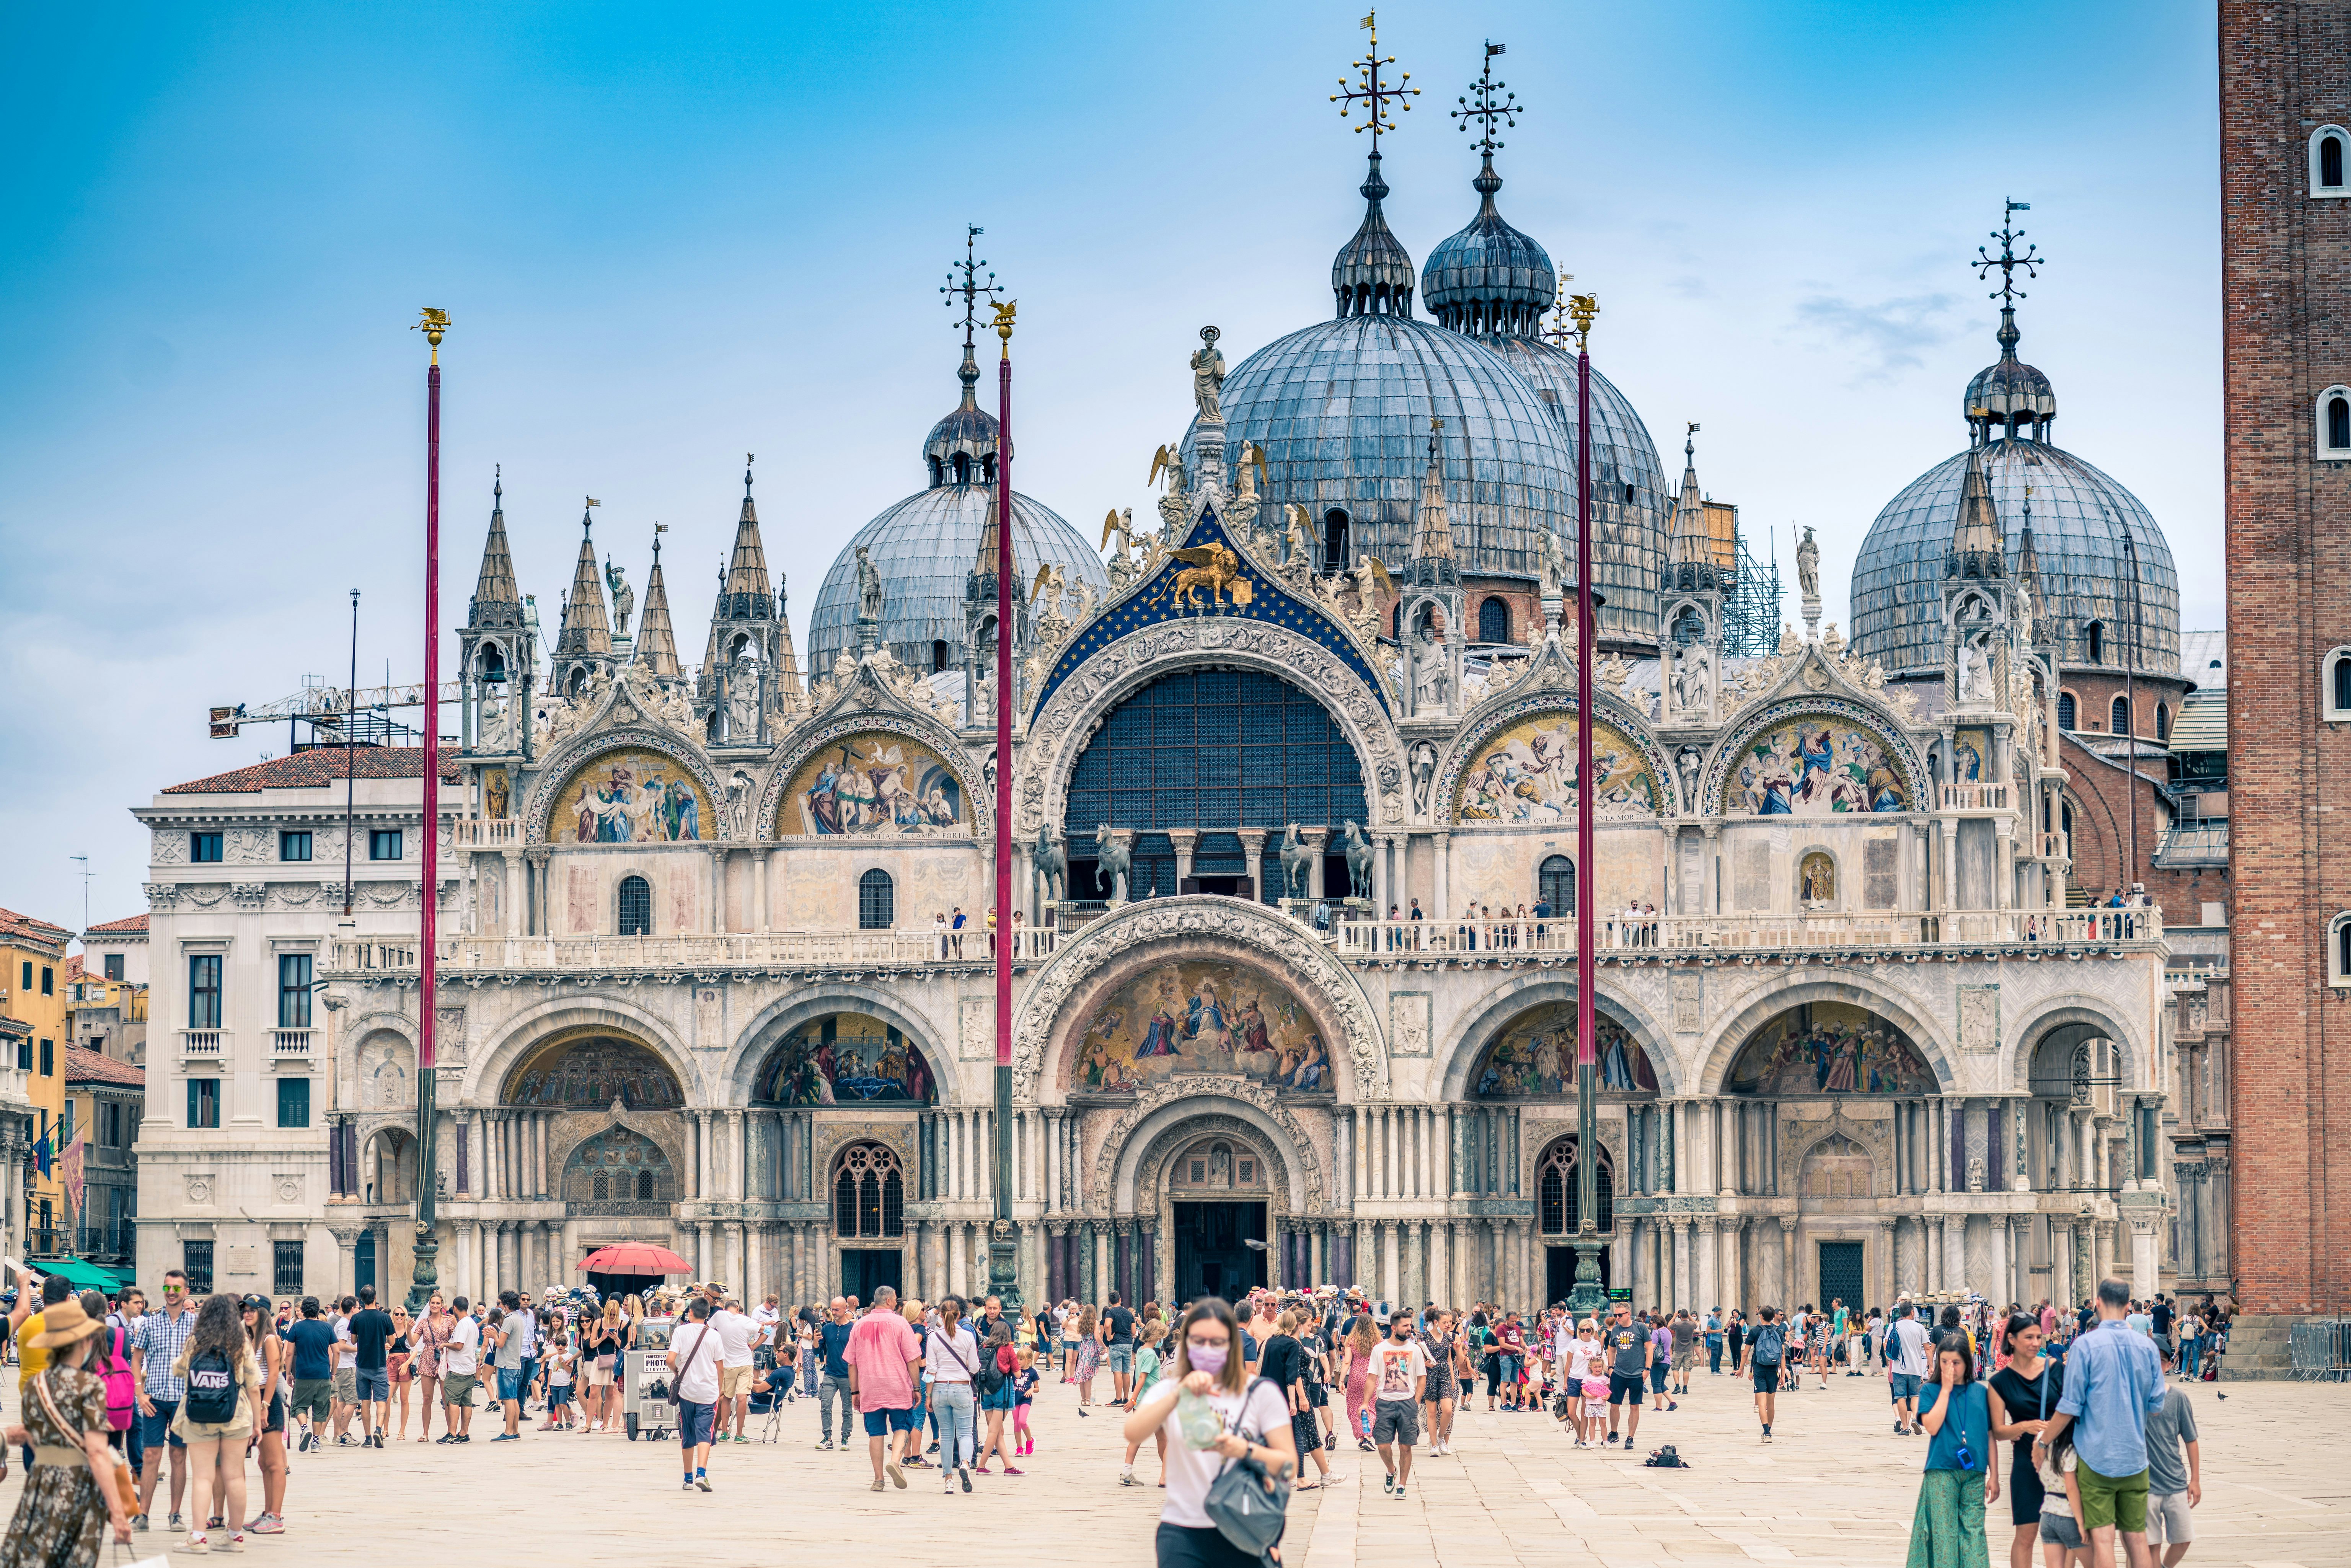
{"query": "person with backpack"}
(999, 1364)
(218, 1416)
(1766, 1350)
(1906, 1367)
(109, 1360)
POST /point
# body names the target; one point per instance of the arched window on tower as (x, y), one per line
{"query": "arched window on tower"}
(2162, 721)
(494, 663)
(1334, 540)
(1555, 884)
(938, 472)
(2326, 146)
(2065, 710)
(877, 901)
(2338, 675)
(1396, 621)
(1494, 621)
(963, 468)
(2121, 721)
(2095, 636)
(2333, 433)
(636, 912)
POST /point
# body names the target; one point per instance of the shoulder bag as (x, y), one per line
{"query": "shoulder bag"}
(126, 1487)
(673, 1395)
(1248, 1502)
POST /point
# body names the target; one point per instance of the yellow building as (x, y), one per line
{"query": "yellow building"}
(34, 992)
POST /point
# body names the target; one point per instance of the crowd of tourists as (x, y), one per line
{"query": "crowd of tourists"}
(131, 1410)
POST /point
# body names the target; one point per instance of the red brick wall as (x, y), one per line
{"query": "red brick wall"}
(2101, 793)
(2285, 68)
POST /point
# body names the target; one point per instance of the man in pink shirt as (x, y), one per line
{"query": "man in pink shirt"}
(884, 1358)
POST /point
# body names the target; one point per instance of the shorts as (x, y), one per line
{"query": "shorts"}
(1506, 1369)
(734, 1381)
(1625, 1387)
(2169, 1521)
(1685, 1358)
(347, 1385)
(879, 1423)
(2060, 1530)
(398, 1363)
(511, 1383)
(1767, 1379)
(1005, 1397)
(277, 1418)
(1905, 1386)
(373, 1386)
(1395, 1421)
(2118, 1501)
(695, 1422)
(558, 1395)
(312, 1397)
(457, 1389)
(1119, 1358)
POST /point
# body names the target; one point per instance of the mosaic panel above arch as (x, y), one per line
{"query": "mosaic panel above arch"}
(591, 1071)
(619, 1166)
(631, 795)
(1553, 710)
(1829, 1048)
(1830, 757)
(845, 1058)
(872, 784)
(1533, 1058)
(1526, 774)
(1199, 1019)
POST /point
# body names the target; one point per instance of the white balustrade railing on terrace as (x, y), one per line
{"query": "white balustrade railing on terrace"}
(1688, 933)
(1976, 797)
(289, 1042)
(742, 949)
(2054, 848)
(202, 1041)
(486, 834)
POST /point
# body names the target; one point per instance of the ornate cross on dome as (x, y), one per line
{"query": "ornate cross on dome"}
(970, 287)
(1370, 92)
(1487, 108)
(2008, 261)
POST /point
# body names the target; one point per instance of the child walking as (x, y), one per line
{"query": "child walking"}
(561, 1361)
(1024, 1389)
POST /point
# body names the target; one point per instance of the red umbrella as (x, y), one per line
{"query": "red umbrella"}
(636, 1258)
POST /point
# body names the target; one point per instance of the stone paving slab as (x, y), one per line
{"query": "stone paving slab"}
(1836, 1488)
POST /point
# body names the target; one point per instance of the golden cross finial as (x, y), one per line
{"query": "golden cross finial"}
(1370, 92)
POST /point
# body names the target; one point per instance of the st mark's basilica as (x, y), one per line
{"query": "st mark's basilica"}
(1854, 1036)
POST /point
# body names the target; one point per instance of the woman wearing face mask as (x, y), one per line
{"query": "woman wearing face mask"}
(1255, 1424)
(1947, 1531)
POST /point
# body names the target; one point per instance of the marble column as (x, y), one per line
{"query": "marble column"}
(1788, 1272)
(1955, 1257)
(1706, 1291)
(1996, 1288)
(1685, 1288)
(1884, 1284)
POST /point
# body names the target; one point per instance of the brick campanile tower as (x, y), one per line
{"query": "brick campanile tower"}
(2285, 212)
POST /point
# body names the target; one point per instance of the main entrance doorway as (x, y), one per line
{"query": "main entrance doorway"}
(1558, 1272)
(863, 1269)
(1839, 1273)
(1213, 1257)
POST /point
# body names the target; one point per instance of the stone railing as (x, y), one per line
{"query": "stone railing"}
(1473, 940)
(486, 833)
(287, 1042)
(917, 950)
(204, 1042)
(1977, 797)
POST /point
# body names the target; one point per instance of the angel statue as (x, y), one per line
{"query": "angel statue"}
(1049, 577)
(1240, 507)
(1554, 565)
(1301, 542)
(1372, 579)
(1208, 376)
(1119, 526)
(1176, 505)
(624, 598)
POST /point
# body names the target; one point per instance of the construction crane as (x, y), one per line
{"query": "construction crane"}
(361, 716)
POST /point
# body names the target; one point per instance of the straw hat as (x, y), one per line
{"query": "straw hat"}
(64, 1324)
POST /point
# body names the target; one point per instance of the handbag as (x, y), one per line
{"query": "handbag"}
(126, 1487)
(1248, 1503)
(688, 1362)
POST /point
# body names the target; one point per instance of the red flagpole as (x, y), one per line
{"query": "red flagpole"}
(424, 1275)
(1003, 1267)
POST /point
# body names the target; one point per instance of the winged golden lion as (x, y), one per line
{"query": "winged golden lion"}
(1214, 567)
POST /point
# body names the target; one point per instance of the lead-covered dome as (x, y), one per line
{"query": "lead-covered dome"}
(1490, 277)
(924, 546)
(2080, 518)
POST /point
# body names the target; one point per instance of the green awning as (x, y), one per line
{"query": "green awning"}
(84, 1274)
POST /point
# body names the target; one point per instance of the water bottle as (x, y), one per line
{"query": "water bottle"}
(1197, 1419)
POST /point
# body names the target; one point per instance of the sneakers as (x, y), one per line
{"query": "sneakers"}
(138, 1521)
(1126, 1478)
(236, 1541)
(1387, 1484)
(197, 1545)
(267, 1524)
(877, 1485)
(967, 1478)
(701, 1481)
(1399, 1494)
(1010, 1471)
(175, 1521)
(686, 1485)
(825, 1447)
(897, 1476)
(507, 1438)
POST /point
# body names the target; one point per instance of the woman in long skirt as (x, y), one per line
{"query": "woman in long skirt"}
(1961, 1478)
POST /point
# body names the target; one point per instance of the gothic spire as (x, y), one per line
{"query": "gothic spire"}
(585, 628)
(1432, 535)
(747, 571)
(1977, 549)
(1691, 543)
(495, 586)
(656, 640)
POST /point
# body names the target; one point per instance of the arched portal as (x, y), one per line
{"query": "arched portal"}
(1219, 1190)
(845, 1058)
(1559, 1212)
(1211, 751)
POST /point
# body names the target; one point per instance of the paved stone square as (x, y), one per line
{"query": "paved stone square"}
(1836, 1488)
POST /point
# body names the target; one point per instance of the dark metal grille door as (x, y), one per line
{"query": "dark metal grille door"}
(1840, 1272)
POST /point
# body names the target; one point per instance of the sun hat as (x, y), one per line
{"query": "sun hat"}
(64, 1324)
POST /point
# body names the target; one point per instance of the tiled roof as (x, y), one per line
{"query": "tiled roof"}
(135, 924)
(17, 1027)
(26, 928)
(321, 764)
(96, 1067)
(73, 967)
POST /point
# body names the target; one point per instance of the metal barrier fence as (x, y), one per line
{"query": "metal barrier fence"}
(2322, 1350)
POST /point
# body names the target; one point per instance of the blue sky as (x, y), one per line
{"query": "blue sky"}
(667, 239)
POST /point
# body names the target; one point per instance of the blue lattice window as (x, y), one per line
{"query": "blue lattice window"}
(1215, 750)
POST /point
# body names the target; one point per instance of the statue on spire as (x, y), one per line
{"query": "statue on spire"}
(624, 598)
(1208, 376)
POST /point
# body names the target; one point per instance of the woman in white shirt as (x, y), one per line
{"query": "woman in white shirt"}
(1256, 1426)
(950, 1358)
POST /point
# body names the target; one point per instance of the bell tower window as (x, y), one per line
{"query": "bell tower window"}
(2327, 152)
(2332, 435)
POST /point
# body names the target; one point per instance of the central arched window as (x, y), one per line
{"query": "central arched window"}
(2162, 721)
(2095, 636)
(869, 1194)
(1217, 751)
(1559, 1208)
(1555, 883)
(636, 907)
(1494, 621)
(1334, 540)
(877, 901)
(2121, 718)
(2065, 710)
(940, 653)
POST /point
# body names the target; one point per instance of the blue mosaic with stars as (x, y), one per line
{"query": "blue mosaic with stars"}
(1155, 603)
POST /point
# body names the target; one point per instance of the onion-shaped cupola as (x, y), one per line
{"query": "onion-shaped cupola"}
(961, 448)
(1372, 273)
(2011, 397)
(1489, 280)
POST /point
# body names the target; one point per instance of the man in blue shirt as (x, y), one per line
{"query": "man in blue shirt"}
(2113, 1381)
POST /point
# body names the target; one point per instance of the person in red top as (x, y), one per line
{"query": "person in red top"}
(1511, 1357)
(884, 1359)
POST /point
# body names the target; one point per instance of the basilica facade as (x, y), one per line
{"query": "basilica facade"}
(720, 975)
